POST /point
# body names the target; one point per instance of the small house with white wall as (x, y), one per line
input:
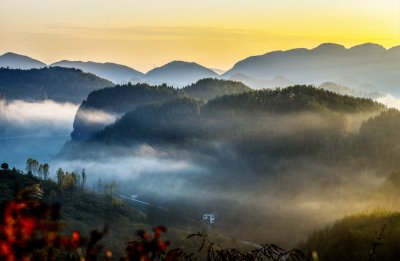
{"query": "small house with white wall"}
(209, 218)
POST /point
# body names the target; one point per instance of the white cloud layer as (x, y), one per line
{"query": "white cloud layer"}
(97, 117)
(390, 101)
(45, 114)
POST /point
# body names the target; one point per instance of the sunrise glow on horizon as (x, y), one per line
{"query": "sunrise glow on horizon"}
(216, 34)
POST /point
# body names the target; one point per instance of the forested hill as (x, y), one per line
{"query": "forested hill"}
(172, 121)
(116, 101)
(233, 116)
(124, 98)
(366, 236)
(59, 84)
(292, 99)
(208, 89)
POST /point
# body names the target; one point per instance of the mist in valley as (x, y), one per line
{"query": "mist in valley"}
(279, 178)
(39, 129)
(199, 130)
(272, 165)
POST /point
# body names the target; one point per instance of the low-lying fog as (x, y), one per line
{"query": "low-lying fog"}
(298, 196)
(282, 208)
(38, 129)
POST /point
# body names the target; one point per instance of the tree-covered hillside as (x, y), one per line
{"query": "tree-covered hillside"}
(124, 98)
(116, 101)
(379, 139)
(208, 89)
(59, 84)
(292, 99)
(292, 122)
(82, 210)
(373, 236)
(170, 122)
(232, 115)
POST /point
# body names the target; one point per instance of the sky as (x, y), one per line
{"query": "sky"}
(214, 33)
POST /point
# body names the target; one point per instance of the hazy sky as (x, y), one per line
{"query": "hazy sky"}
(215, 33)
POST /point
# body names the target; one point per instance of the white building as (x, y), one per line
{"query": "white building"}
(209, 217)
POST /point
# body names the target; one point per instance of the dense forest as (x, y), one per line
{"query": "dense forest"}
(372, 236)
(208, 89)
(271, 124)
(247, 121)
(118, 100)
(124, 98)
(55, 83)
(274, 148)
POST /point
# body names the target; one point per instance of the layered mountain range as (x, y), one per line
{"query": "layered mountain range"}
(367, 67)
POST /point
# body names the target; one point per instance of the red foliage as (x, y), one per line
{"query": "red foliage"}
(27, 226)
(148, 247)
(30, 230)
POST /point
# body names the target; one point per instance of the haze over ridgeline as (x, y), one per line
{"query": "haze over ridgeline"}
(366, 70)
(363, 68)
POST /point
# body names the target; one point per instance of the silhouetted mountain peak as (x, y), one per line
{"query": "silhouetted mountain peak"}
(17, 61)
(370, 62)
(179, 73)
(395, 49)
(296, 51)
(114, 72)
(368, 47)
(11, 54)
(180, 65)
(329, 47)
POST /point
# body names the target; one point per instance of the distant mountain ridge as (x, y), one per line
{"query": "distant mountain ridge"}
(175, 73)
(179, 73)
(365, 67)
(277, 81)
(370, 64)
(111, 71)
(17, 61)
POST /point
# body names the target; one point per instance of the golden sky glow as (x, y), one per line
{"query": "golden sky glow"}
(214, 33)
